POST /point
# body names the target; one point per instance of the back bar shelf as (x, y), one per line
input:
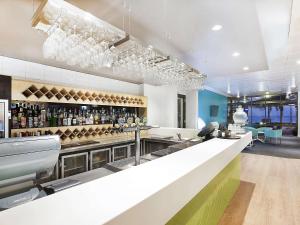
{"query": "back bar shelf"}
(50, 95)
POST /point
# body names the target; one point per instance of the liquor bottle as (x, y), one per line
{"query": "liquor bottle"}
(87, 117)
(65, 118)
(83, 117)
(107, 117)
(35, 116)
(20, 111)
(59, 117)
(48, 117)
(79, 118)
(113, 117)
(91, 120)
(102, 116)
(29, 117)
(43, 115)
(54, 118)
(96, 117)
(22, 116)
(74, 119)
(14, 109)
(70, 117)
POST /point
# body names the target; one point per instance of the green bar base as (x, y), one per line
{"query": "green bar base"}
(208, 206)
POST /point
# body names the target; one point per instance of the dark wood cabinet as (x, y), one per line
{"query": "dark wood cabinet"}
(5, 87)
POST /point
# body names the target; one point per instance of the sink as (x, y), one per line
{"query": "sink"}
(149, 157)
(124, 164)
(183, 145)
(163, 152)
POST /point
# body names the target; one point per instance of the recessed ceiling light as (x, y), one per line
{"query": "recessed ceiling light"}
(245, 68)
(298, 61)
(236, 54)
(217, 27)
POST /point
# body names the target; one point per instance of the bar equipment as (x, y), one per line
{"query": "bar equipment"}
(207, 132)
(120, 152)
(4, 117)
(136, 128)
(99, 158)
(74, 164)
(23, 161)
(76, 37)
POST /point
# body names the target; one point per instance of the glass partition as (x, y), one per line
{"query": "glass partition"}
(268, 110)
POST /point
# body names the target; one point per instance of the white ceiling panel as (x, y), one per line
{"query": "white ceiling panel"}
(264, 32)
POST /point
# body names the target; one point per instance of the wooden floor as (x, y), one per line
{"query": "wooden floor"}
(276, 196)
(237, 209)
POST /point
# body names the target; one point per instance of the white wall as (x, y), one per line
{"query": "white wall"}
(33, 71)
(162, 105)
(162, 100)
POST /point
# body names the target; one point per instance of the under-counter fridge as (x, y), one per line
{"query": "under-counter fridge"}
(4, 118)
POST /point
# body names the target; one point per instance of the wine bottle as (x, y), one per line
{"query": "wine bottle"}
(35, 116)
(49, 117)
(74, 119)
(65, 118)
(30, 116)
(43, 115)
(69, 119)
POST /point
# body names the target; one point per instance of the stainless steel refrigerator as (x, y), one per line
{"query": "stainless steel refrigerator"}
(4, 118)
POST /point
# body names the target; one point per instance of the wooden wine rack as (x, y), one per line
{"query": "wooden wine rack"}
(69, 134)
(39, 92)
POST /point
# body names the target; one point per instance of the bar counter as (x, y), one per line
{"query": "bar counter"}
(156, 192)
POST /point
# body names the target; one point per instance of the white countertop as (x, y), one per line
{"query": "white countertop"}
(149, 194)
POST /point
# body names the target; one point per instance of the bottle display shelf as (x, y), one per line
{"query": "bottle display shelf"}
(39, 92)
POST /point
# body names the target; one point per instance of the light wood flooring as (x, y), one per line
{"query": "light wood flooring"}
(276, 196)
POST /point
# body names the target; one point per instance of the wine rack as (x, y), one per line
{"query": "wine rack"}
(39, 92)
(30, 91)
(70, 134)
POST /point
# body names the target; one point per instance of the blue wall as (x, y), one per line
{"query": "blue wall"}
(205, 100)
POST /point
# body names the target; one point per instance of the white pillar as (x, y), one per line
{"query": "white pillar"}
(192, 109)
(298, 113)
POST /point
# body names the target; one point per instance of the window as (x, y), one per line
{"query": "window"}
(274, 114)
(257, 114)
(289, 114)
(275, 110)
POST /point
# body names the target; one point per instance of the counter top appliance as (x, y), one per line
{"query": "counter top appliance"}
(22, 162)
(207, 132)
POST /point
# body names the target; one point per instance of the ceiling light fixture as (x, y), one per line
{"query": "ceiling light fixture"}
(236, 54)
(217, 27)
(78, 38)
(288, 92)
(228, 89)
(245, 68)
(298, 61)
